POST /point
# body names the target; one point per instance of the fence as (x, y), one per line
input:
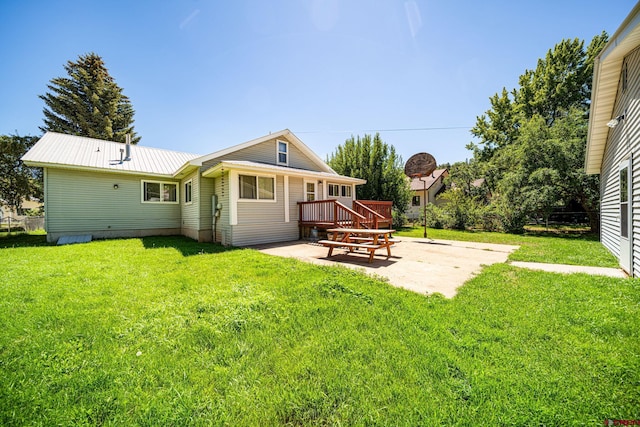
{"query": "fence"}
(26, 223)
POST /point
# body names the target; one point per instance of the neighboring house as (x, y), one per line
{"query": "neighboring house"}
(613, 142)
(433, 184)
(242, 195)
(20, 213)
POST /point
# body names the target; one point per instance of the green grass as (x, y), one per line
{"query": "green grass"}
(537, 246)
(166, 331)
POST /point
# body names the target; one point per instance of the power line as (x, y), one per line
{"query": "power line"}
(387, 130)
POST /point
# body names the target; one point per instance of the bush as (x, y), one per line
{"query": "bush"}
(399, 218)
(435, 216)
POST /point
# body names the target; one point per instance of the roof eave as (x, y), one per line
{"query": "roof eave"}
(217, 170)
(34, 164)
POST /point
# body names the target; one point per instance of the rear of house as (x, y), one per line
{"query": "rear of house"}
(613, 143)
(242, 195)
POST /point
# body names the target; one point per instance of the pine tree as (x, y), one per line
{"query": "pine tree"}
(88, 103)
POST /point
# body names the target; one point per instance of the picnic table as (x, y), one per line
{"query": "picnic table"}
(359, 238)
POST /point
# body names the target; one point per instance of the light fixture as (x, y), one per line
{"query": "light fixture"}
(115, 186)
(615, 122)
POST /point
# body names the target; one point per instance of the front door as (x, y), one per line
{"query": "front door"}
(626, 218)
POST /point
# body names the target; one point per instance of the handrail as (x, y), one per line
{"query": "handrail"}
(384, 208)
(370, 215)
(328, 212)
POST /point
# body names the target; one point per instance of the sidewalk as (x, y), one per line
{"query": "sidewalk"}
(570, 269)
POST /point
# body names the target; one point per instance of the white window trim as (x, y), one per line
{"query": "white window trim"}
(190, 202)
(278, 152)
(315, 189)
(161, 201)
(258, 176)
(332, 185)
(344, 187)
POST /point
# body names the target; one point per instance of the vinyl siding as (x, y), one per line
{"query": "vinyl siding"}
(190, 211)
(223, 229)
(623, 141)
(263, 222)
(206, 190)
(265, 152)
(86, 202)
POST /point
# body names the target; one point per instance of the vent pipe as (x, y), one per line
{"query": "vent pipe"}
(128, 146)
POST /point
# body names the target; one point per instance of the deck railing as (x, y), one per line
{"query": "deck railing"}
(382, 207)
(328, 213)
(372, 218)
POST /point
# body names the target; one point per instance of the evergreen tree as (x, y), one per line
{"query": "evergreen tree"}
(372, 159)
(88, 103)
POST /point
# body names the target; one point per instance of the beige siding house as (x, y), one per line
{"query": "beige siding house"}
(432, 185)
(242, 195)
(613, 142)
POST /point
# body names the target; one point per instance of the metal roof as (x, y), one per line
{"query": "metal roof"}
(606, 75)
(419, 184)
(78, 152)
(248, 166)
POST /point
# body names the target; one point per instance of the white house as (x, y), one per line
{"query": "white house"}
(613, 142)
(242, 195)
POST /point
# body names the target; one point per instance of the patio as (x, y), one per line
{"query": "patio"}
(421, 265)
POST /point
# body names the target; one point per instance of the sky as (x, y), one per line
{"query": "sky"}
(206, 75)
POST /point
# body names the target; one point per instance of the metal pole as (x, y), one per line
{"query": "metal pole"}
(424, 183)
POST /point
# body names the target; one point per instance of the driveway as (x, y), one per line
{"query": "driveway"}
(421, 265)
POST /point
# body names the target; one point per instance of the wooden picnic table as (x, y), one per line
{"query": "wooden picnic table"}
(359, 238)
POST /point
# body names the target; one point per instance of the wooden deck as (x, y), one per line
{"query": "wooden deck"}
(325, 214)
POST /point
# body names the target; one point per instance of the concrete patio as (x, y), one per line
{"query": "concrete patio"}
(422, 265)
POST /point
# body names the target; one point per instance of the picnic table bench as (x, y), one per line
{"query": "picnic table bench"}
(359, 238)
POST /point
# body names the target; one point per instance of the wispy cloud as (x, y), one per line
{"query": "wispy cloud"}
(189, 18)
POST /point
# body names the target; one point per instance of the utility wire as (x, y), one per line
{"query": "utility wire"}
(386, 130)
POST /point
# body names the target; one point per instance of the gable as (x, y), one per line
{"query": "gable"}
(264, 150)
(267, 152)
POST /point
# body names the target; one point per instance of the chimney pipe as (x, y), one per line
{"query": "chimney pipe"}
(128, 146)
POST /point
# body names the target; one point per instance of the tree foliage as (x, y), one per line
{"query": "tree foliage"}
(532, 140)
(17, 181)
(374, 160)
(88, 103)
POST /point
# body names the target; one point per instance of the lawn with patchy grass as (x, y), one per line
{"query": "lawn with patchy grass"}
(167, 331)
(537, 246)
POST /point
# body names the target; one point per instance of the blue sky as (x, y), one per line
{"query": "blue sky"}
(204, 75)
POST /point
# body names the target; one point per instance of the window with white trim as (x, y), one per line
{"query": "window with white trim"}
(159, 192)
(188, 187)
(254, 187)
(283, 152)
(346, 191)
(333, 190)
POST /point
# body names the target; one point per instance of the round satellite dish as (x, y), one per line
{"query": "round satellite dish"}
(421, 164)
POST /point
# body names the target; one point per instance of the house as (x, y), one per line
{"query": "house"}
(433, 185)
(242, 195)
(613, 141)
(19, 214)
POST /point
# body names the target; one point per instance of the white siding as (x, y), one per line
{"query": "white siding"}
(263, 222)
(265, 152)
(622, 142)
(81, 202)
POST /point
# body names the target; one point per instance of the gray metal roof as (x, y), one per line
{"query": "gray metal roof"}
(78, 152)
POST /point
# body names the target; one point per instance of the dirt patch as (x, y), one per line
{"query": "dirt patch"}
(421, 265)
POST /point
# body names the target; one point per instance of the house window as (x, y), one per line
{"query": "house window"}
(187, 191)
(257, 187)
(311, 191)
(346, 191)
(159, 192)
(283, 152)
(334, 190)
(415, 201)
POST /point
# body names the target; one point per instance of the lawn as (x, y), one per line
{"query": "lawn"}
(167, 331)
(538, 246)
